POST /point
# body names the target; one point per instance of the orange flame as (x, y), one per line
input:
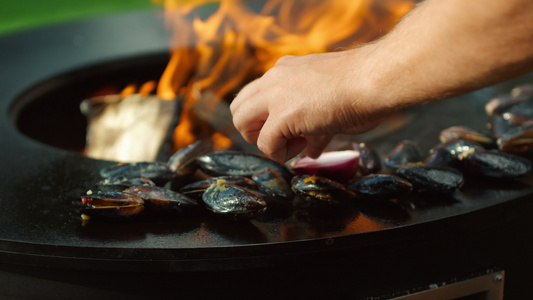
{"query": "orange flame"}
(236, 43)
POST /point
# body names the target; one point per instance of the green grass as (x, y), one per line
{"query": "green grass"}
(16, 15)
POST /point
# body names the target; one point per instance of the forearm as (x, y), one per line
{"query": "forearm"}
(447, 47)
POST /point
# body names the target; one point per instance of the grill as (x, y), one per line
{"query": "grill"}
(380, 251)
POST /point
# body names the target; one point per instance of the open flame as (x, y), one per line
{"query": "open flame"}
(217, 55)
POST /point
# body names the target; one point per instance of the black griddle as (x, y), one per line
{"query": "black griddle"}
(481, 227)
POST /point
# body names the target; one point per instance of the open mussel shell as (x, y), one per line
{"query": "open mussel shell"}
(495, 164)
(320, 189)
(430, 179)
(235, 163)
(468, 134)
(196, 189)
(369, 159)
(518, 139)
(273, 184)
(234, 201)
(381, 186)
(183, 161)
(157, 172)
(120, 183)
(502, 103)
(405, 152)
(112, 205)
(160, 199)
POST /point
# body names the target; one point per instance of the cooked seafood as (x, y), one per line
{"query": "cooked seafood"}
(495, 164)
(157, 172)
(369, 159)
(381, 186)
(321, 189)
(235, 163)
(231, 200)
(404, 153)
(428, 179)
(465, 133)
(112, 205)
(160, 199)
(270, 182)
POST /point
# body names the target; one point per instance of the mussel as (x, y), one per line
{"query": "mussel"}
(405, 152)
(157, 172)
(320, 189)
(234, 201)
(369, 159)
(385, 186)
(162, 200)
(273, 184)
(495, 164)
(112, 205)
(235, 163)
(429, 179)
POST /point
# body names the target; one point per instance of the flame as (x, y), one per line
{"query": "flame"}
(235, 44)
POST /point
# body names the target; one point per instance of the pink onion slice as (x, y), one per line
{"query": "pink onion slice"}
(340, 166)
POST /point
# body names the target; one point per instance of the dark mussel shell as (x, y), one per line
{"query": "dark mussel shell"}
(519, 113)
(273, 184)
(500, 126)
(524, 89)
(385, 186)
(183, 161)
(495, 164)
(404, 153)
(465, 133)
(369, 159)
(157, 172)
(120, 183)
(320, 189)
(502, 103)
(160, 199)
(196, 189)
(235, 201)
(428, 179)
(235, 163)
(446, 154)
(112, 205)
(519, 139)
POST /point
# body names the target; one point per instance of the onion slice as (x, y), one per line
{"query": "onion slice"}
(340, 166)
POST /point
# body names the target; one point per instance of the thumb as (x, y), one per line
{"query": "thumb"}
(316, 145)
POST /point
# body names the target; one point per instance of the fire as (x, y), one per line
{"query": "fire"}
(220, 53)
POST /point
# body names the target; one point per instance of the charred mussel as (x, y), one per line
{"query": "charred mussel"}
(429, 179)
(157, 172)
(405, 152)
(233, 163)
(495, 164)
(381, 186)
(112, 205)
(234, 201)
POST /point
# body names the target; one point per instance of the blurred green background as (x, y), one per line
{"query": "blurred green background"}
(17, 15)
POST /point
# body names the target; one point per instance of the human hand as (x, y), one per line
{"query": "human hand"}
(301, 103)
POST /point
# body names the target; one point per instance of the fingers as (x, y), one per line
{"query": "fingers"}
(316, 145)
(249, 115)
